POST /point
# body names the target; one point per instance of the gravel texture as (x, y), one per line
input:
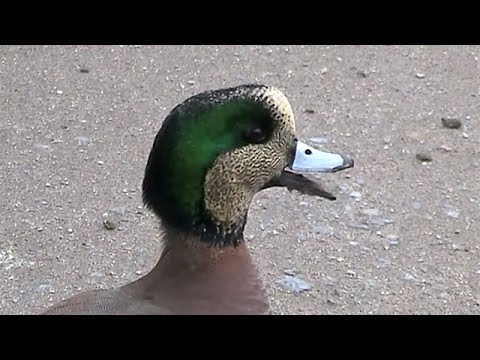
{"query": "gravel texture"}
(77, 124)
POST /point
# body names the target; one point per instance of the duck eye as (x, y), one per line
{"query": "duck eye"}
(255, 135)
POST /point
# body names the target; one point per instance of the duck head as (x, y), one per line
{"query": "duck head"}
(217, 149)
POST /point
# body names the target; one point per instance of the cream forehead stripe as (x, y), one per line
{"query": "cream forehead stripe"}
(274, 99)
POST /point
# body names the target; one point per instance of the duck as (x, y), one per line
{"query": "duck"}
(212, 154)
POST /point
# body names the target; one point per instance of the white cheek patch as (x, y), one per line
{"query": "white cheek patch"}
(309, 159)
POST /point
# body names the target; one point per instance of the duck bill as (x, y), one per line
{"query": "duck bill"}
(308, 159)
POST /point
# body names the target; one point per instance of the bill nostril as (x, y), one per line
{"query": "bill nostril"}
(308, 152)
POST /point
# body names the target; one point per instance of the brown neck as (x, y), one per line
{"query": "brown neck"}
(207, 279)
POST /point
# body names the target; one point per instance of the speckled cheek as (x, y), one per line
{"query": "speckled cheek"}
(283, 143)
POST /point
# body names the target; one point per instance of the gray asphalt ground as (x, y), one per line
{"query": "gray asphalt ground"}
(77, 124)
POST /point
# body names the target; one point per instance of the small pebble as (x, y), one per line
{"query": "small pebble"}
(295, 284)
(420, 75)
(48, 185)
(191, 82)
(70, 230)
(360, 181)
(324, 70)
(362, 73)
(290, 272)
(465, 136)
(445, 148)
(356, 195)
(443, 295)
(451, 123)
(100, 162)
(452, 211)
(82, 140)
(109, 224)
(84, 70)
(351, 273)
(309, 111)
(59, 92)
(408, 276)
(393, 239)
(424, 157)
